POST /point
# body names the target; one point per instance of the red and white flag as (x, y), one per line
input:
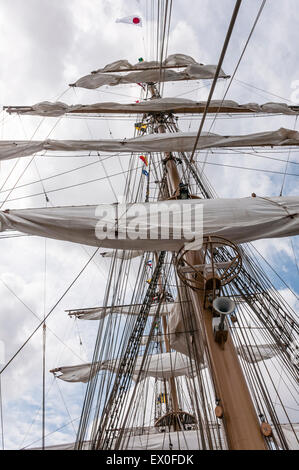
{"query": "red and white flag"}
(134, 19)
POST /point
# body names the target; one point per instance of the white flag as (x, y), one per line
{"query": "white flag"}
(134, 19)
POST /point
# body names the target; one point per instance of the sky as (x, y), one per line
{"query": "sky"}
(47, 44)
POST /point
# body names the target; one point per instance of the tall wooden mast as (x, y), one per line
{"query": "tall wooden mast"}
(240, 419)
(241, 422)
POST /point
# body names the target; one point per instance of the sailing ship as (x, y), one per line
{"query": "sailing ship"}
(192, 331)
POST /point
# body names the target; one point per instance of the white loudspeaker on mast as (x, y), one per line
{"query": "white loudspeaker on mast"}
(223, 306)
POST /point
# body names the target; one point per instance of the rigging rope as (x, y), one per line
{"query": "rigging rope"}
(105, 434)
(278, 275)
(239, 61)
(286, 167)
(71, 186)
(261, 89)
(44, 339)
(36, 316)
(295, 257)
(33, 157)
(217, 72)
(49, 313)
(64, 172)
(236, 68)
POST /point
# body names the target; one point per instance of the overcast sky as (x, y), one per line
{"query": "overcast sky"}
(47, 44)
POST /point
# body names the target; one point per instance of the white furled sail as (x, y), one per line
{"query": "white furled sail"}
(186, 440)
(257, 353)
(98, 313)
(67, 446)
(115, 225)
(172, 142)
(177, 325)
(158, 338)
(143, 74)
(79, 373)
(174, 105)
(160, 366)
(192, 72)
(122, 254)
(174, 60)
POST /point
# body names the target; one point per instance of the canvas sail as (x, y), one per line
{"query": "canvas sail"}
(239, 220)
(187, 440)
(191, 72)
(173, 142)
(173, 60)
(98, 313)
(257, 353)
(166, 105)
(160, 366)
(122, 254)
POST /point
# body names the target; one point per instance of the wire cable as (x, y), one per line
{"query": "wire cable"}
(49, 313)
(217, 72)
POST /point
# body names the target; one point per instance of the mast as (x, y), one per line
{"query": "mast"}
(170, 166)
(242, 426)
(241, 422)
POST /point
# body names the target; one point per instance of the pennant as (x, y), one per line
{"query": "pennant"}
(134, 19)
(144, 159)
(145, 172)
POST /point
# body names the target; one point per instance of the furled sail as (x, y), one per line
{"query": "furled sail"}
(122, 254)
(67, 446)
(191, 72)
(186, 440)
(166, 105)
(172, 142)
(257, 353)
(173, 60)
(178, 322)
(160, 366)
(98, 313)
(158, 338)
(127, 227)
